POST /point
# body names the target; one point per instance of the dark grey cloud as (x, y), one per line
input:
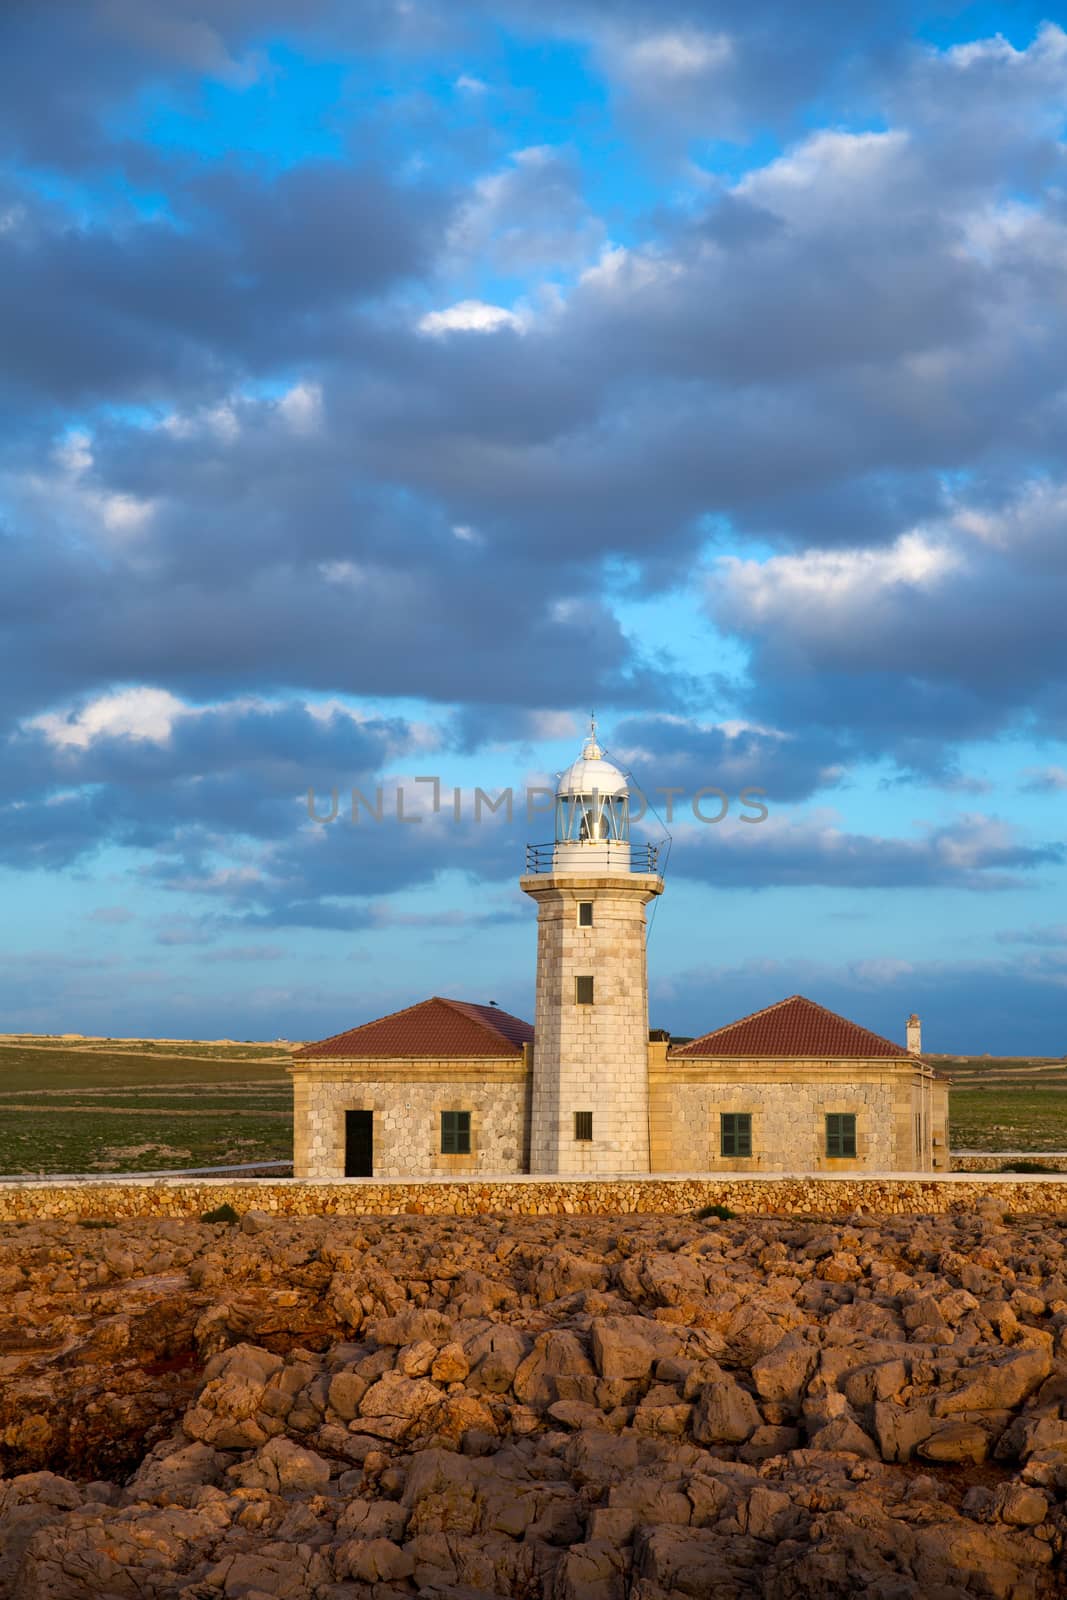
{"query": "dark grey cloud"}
(67, 64)
(248, 274)
(673, 751)
(221, 775)
(1001, 1007)
(948, 634)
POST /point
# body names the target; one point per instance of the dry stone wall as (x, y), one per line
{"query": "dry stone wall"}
(998, 1160)
(851, 1196)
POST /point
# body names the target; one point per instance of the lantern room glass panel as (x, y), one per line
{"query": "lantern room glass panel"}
(592, 819)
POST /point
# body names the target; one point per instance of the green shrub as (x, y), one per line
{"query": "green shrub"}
(96, 1222)
(223, 1213)
(723, 1213)
(1028, 1166)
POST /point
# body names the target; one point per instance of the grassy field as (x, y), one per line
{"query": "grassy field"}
(1000, 1103)
(138, 1105)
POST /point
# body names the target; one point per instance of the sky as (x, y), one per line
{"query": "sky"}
(385, 385)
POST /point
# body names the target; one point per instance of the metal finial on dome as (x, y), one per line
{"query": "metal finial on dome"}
(591, 751)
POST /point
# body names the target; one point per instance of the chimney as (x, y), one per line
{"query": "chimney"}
(915, 1035)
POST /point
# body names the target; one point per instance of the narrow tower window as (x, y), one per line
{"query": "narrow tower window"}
(455, 1133)
(583, 991)
(583, 1124)
(585, 913)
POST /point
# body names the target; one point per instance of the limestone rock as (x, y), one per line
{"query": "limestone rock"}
(282, 1467)
(782, 1374)
(724, 1414)
(629, 1347)
(395, 1406)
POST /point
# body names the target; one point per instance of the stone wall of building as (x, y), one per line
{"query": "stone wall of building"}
(844, 1196)
(788, 1125)
(788, 1102)
(896, 1111)
(407, 1100)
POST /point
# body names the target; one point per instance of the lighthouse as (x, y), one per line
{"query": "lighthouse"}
(589, 1092)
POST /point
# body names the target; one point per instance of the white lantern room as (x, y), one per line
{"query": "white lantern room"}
(592, 815)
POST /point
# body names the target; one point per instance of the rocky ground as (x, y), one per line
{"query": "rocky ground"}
(568, 1408)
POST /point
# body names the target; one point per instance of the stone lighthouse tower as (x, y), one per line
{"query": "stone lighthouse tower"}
(589, 1110)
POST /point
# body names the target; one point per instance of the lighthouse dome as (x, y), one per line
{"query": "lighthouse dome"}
(592, 774)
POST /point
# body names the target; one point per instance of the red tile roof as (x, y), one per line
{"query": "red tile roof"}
(436, 1027)
(793, 1027)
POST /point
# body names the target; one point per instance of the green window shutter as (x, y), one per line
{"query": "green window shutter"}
(583, 991)
(583, 1124)
(841, 1134)
(735, 1133)
(455, 1133)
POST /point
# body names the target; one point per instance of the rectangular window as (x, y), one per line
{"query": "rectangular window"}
(735, 1133)
(455, 1133)
(583, 991)
(583, 1124)
(840, 1134)
(585, 913)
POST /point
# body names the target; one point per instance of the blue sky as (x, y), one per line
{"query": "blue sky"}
(385, 384)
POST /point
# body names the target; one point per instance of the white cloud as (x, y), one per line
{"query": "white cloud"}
(301, 408)
(1044, 780)
(141, 713)
(530, 216)
(621, 272)
(807, 589)
(74, 453)
(469, 316)
(345, 572)
(1033, 522)
(220, 420)
(1049, 49)
(69, 498)
(466, 534)
(466, 84)
(977, 839)
(681, 53)
(827, 177)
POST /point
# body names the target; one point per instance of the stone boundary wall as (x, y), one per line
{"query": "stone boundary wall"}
(996, 1160)
(26, 1200)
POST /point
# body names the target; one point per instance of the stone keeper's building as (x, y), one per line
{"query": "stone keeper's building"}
(449, 1087)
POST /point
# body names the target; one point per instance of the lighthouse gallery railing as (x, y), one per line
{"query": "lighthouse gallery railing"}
(642, 857)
